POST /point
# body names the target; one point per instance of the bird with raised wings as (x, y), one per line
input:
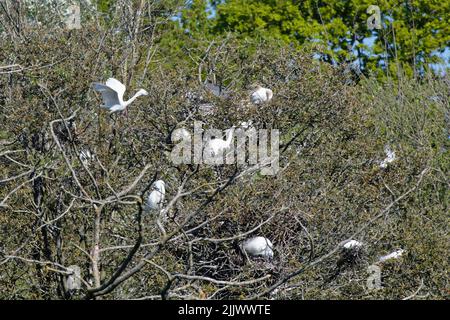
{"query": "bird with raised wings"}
(112, 93)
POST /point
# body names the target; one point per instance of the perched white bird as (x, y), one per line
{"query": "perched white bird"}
(390, 157)
(261, 95)
(180, 134)
(258, 246)
(112, 93)
(216, 147)
(352, 244)
(394, 255)
(156, 197)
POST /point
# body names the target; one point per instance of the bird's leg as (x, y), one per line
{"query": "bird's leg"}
(125, 112)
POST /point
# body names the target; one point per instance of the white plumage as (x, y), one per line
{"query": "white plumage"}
(352, 244)
(394, 255)
(390, 157)
(216, 147)
(261, 95)
(156, 197)
(86, 156)
(112, 93)
(180, 134)
(258, 246)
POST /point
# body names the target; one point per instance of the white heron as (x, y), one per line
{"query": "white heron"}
(261, 95)
(390, 157)
(393, 255)
(216, 146)
(156, 197)
(258, 247)
(112, 93)
(352, 245)
(180, 134)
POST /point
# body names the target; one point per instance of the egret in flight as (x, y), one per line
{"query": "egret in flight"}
(258, 247)
(261, 95)
(112, 93)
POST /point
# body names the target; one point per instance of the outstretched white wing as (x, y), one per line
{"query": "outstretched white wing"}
(117, 86)
(110, 96)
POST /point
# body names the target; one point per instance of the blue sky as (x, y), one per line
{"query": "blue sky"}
(438, 67)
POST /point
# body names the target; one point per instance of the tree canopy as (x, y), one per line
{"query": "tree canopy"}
(412, 32)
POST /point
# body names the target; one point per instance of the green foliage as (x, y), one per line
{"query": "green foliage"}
(419, 29)
(195, 20)
(329, 187)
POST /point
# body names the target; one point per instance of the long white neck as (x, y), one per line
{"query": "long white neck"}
(138, 94)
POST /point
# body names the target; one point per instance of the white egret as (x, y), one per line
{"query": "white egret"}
(390, 157)
(393, 255)
(216, 146)
(180, 134)
(156, 197)
(352, 245)
(258, 246)
(112, 92)
(261, 95)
